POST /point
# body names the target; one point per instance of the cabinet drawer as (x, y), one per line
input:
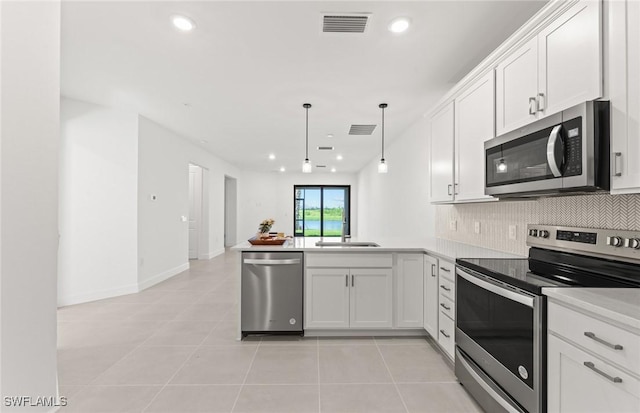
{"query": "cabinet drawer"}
(447, 270)
(447, 288)
(447, 307)
(446, 333)
(573, 325)
(364, 260)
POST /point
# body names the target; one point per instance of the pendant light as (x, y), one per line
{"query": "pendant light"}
(306, 166)
(382, 166)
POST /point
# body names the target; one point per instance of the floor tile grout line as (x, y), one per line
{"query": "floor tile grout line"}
(246, 375)
(393, 379)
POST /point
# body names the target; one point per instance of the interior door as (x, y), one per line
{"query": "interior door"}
(517, 88)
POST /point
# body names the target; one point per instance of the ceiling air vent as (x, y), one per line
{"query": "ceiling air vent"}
(361, 129)
(344, 23)
(325, 148)
(321, 166)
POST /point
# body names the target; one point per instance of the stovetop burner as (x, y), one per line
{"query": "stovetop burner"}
(555, 261)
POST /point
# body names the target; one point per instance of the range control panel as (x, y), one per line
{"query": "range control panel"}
(603, 242)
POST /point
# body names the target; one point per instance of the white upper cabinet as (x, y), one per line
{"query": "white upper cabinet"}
(474, 115)
(559, 68)
(624, 90)
(442, 137)
(517, 87)
(570, 58)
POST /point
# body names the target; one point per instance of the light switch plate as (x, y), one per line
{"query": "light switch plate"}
(513, 230)
(476, 227)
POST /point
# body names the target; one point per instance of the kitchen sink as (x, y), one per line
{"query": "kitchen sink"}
(346, 244)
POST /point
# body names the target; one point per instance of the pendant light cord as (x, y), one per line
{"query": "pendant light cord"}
(307, 133)
(382, 106)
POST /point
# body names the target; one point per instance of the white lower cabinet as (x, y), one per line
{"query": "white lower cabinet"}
(446, 306)
(409, 290)
(446, 334)
(430, 296)
(338, 298)
(592, 363)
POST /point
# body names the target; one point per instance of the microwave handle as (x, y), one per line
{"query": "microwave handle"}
(555, 151)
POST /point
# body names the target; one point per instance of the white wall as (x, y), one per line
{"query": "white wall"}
(98, 198)
(397, 203)
(163, 170)
(30, 132)
(270, 195)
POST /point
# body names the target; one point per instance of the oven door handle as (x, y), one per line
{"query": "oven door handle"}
(494, 288)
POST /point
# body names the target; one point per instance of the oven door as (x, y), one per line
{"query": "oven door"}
(500, 329)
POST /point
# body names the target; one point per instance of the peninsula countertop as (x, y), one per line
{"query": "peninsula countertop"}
(441, 248)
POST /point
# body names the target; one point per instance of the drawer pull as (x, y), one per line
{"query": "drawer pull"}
(592, 366)
(443, 305)
(445, 287)
(433, 270)
(445, 334)
(445, 269)
(601, 341)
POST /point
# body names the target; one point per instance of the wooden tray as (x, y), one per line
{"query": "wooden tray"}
(267, 241)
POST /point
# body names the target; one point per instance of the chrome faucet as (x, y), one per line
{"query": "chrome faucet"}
(344, 228)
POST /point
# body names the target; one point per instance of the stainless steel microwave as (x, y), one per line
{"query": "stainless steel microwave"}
(563, 153)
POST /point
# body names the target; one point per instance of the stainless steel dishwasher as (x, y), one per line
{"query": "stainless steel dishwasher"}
(271, 292)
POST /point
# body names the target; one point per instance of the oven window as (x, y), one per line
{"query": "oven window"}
(502, 327)
(520, 160)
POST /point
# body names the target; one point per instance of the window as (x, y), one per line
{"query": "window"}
(318, 210)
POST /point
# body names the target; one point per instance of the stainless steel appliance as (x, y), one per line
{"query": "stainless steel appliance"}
(501, 311)
(562, 153)
(272, 290)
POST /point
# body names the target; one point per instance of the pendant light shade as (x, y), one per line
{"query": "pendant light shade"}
(382, 166)
(306, 165)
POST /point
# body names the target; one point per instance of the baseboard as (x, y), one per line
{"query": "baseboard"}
(165, 275)
(216, 253)
(417, 332)
(97, 295)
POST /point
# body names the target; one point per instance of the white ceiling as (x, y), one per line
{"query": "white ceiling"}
(248, 67)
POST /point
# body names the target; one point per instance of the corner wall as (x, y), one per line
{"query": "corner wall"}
(30, 134)
(98, 199)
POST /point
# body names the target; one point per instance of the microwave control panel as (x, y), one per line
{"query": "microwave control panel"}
(573, 147)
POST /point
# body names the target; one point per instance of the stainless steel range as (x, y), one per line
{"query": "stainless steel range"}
(501, 310)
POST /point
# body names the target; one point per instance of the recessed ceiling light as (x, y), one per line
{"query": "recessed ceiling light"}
(330, 135)
(333, 169)
(183, 23)
(282, 169)
(399, 25)
(339, 157)
(272, 156)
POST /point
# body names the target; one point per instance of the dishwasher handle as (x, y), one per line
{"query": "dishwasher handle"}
(253, 261)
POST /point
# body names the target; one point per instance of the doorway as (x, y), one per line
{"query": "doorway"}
(230, 211)
(198, 213)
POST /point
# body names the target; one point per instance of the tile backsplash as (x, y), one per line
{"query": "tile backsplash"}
(495, 218)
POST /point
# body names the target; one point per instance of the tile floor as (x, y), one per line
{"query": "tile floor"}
(172, 348)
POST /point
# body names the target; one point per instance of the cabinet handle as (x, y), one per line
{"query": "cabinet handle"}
(433, 270)
(443, 305)
(532, 106)
(445, 269)
(352, 280)
(449, 189)
(617, 165)
(540, 102)
(445, 334)
(455, 189)
(592, 336)
(445, 288)
(592, 366)
(346, 280)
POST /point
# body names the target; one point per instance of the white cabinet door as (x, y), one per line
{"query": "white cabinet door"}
(371, 297)
(474, 124)
(517, 88)
(409, 289)
(575, 387)
(442, 138)
(431, 295)
(327, 298)
(624, 91)
(570, 58)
